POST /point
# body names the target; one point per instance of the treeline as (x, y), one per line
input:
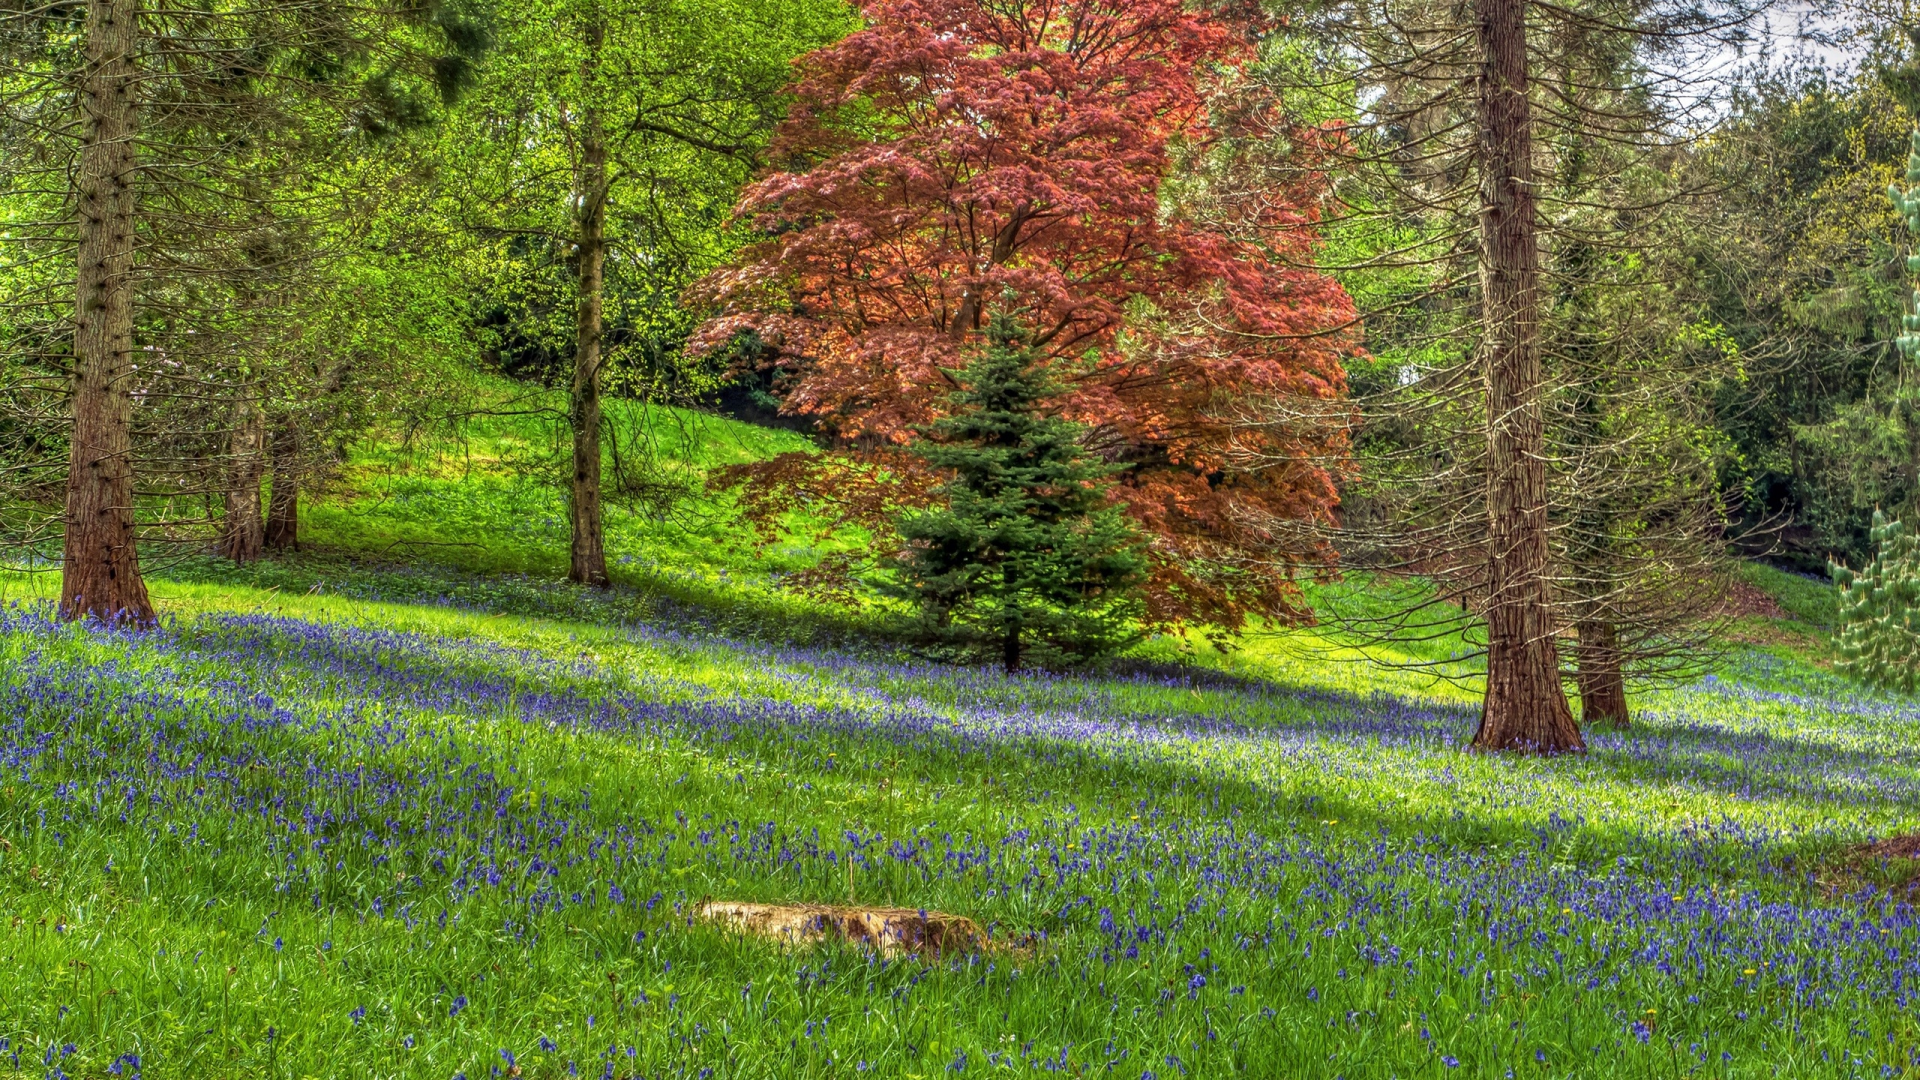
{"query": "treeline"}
(1107, 316)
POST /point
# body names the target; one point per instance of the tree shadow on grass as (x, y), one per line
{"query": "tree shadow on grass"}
(1089, 732)
(1086, 716)
(1054, 761)
(1111, 708)
(698, 608)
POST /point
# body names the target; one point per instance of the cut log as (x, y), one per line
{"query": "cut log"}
(889, 931)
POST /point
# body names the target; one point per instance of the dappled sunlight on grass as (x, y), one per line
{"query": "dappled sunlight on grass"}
(409, 836)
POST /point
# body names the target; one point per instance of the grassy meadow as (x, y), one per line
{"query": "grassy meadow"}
(405, 806)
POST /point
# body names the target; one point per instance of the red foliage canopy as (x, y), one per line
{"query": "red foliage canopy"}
(959, 154)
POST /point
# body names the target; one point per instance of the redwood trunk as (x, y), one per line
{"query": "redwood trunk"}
(100, 572)
(243, 536)
(1526, 708)
(588, 561)
(283, 505)
(1602, 680)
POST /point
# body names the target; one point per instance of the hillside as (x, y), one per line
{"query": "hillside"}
(405, 806)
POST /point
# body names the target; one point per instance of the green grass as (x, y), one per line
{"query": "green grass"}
(481, 511)
(1803, 599)
(487, 497)
(390, 809)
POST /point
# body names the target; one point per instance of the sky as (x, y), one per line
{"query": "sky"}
(1794, 28)
(1789, 31)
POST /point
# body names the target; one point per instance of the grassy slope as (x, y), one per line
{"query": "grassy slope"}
(449, 797)
(484, 500)
(481, 505)
(484, 504)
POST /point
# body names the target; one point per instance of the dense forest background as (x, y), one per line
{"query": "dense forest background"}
(340, 215)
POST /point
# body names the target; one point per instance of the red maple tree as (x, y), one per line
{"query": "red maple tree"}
(958, 155)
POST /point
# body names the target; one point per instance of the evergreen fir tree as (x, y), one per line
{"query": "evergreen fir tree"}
(1880, 605)
(1880, 610)
(1027, 553)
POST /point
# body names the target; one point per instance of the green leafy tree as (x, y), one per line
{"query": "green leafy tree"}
(1027, 550)
(598, 155)
(1796, 257)
(165, 160)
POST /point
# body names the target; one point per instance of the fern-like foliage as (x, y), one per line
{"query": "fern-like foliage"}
(1880, 605)
(1880, 610)
(1907, 201)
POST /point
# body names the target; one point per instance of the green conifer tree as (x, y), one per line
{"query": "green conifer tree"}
(1027, 553)
(1880, 605)
(1880, 610)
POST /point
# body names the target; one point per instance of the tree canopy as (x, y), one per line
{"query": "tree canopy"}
(957, 158)
(298, 221)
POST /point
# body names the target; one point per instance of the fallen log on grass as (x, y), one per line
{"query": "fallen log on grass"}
(889, 931)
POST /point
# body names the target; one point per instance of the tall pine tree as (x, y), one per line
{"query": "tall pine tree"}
(1880, 610)
(1026, 552)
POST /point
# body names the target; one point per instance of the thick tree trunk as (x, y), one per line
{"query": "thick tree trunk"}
(1526, 708)
(283, 505)
(588, 562)
(243, 534)
(1602, 680)
(100, 572)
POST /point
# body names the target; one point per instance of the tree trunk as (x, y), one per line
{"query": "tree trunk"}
(588, 563)
(1602, 681)
(100, 571)
(243, 535)
(283, 505)
(1525, 708)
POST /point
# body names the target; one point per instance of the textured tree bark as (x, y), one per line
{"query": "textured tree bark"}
(1602, 681)
(588, 560)
(1525, 708)
(100, 572)
(243, 534)
(283, 505)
